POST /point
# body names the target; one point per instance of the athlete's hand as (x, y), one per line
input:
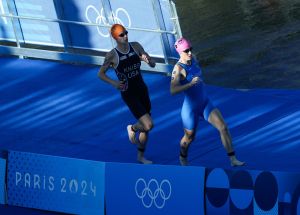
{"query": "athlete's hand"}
(119, 85)
(147, 59)
(144, 57)
(195, 80)
(122, 85)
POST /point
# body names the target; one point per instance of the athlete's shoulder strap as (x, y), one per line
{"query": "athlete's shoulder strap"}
(117, 51)
(181, 66)
(131, 46)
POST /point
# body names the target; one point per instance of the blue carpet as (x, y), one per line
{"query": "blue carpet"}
(65, 110)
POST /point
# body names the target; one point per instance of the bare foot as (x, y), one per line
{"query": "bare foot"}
(236, 162)
(183, 161)
(143, 160)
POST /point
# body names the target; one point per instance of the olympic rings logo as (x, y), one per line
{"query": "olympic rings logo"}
(94, 16)
(153, 193)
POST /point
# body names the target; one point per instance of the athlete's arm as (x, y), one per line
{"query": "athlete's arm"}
(144, 56)
(109, 60)
(175, 86)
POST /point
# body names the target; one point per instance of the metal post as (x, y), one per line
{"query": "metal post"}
(62, 26)
(105, 5)
(10, 11)
(175, 19)
(161, 34)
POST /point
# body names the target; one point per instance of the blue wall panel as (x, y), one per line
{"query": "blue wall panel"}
(6, 28)
(35, 31)
(153, 189)
(252, 192)
(55, 183)
(2, 180)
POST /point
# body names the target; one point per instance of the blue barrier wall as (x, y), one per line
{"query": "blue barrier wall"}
(2, 180)
(154, 189)
(55, 183)
(252, 192)
(77, 186)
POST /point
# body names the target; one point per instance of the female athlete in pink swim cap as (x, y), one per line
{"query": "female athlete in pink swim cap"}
(182, 44)
(187, 78)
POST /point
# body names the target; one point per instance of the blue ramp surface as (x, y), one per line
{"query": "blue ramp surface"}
(65, 110)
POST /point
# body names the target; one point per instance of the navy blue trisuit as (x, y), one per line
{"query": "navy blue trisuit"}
(135, 94)
(196, 104)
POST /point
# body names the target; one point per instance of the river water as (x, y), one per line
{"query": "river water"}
(244, 43)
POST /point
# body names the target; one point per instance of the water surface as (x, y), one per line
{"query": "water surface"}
(245, 43)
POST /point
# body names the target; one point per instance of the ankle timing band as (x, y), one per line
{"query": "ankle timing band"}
(231, 153)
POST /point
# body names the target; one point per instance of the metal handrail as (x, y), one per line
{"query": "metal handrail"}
(82, 23)
(77, 56)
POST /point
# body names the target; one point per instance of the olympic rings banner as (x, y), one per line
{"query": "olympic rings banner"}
(154, 189)
(2, 180)
(55, 183)
(134, 14)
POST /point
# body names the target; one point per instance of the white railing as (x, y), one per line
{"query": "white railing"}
(100, 21)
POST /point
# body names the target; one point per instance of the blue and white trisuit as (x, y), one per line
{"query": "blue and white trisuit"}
(196, 104)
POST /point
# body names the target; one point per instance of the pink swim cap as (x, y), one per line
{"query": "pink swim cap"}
(182, 44)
